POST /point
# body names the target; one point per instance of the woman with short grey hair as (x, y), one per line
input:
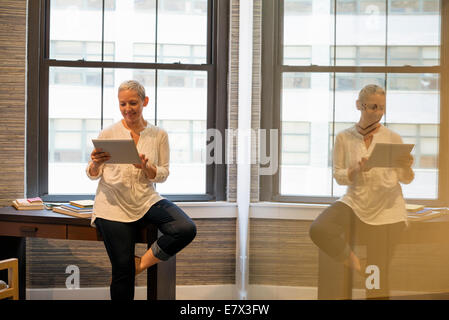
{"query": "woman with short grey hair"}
(373, 203)
(126, 199)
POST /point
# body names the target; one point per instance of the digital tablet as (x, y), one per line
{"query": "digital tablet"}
(386, 155)
(121, 150)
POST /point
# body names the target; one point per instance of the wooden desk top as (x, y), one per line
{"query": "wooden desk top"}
(40, 216)
(75, 228)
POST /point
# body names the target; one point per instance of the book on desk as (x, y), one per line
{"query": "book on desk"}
(426, 214)
(64, 209)
(76, 208)
(28, 204)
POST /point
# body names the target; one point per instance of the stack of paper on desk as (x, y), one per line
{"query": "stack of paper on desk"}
(426, 214)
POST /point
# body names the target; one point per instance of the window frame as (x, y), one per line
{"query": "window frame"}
(272, 70)
(37, 97)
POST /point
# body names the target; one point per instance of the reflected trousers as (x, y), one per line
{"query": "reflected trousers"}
(334, 231)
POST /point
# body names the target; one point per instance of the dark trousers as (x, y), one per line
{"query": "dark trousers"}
(119, 239)
(335, 232)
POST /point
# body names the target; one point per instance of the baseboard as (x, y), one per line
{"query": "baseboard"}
(204, 292)
(267, 292)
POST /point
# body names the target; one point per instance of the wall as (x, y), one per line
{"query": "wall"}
(209, 259)
(12, 99)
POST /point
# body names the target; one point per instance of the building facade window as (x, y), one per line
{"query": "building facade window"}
(84, 4)
(176, 6)
(399, 7)
(295, 143)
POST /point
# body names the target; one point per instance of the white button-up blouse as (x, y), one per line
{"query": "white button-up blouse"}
(124, 193)
(376, 195)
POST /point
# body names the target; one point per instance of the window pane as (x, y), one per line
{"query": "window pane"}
(363, 30)
(118, 30)
(414, 100)
(429, 130)
(68, 125)
(410, 36)
(431, 6)
(178, 43)
(302, 46)
(295, 143)
(296, 80)
(401, 6)
(83, 4)
(74, 113)
(404, 130)
(182, 110)
(298, 7)
(68, 140)
(305, 112)
(79, 76)
(144, 5)
(70, 28)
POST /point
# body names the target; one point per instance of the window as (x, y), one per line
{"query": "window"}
(172, 53)
(375, 55)
(319, 59)
(87, 50)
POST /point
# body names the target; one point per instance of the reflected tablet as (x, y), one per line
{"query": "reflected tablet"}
(386, 155)
(121, 150)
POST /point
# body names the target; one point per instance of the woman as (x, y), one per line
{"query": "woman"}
(126, 199)
(373, 202)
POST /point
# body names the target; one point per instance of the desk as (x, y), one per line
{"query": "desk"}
(335, 279)
(16, 225)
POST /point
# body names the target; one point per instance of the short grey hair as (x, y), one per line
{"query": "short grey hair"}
(370, 90)
(133, 85)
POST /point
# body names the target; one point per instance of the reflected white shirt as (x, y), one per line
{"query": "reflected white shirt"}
(124, 193)
(375, 196)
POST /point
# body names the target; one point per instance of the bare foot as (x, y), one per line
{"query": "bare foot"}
(353, 262)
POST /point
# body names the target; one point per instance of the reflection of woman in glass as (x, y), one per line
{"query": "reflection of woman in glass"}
(126, 199)
(373, 202)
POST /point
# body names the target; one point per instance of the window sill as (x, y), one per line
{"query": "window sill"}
(209, 209)
(257, 210)
(287, 211)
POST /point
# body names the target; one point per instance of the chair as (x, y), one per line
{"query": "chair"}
(13, 279)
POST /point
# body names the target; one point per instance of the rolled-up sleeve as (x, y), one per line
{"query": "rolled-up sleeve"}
(340, 166)
(162, 167)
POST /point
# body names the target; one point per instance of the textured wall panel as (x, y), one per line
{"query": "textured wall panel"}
(12, 99)
(209, 259)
